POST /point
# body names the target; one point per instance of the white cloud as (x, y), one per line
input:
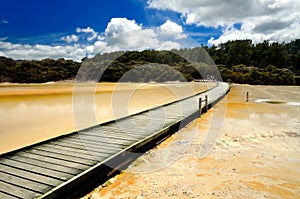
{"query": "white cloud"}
(171, 28)
(275, 35)
(134, 40)
(100, 46)
(100, 38)
(169, 45)
(70, 38)
(85, 30)
(125, 34)
(89, 30)
(10, 46)
(120, 34)
(120, 25)
(275, 20)
(19, 51)
(2, 54)
(93, 36)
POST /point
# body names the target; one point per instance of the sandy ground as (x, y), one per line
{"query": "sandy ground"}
(257, 153)
(31, 113)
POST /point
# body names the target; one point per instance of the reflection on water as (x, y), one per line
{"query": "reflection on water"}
(293, 103)
(277, 102)
(26, 119)
(34, 112)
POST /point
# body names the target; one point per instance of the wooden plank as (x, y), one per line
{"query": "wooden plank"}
(91, 145)
(84, 153)
(53, 160)
(105, 140)
(62, 157)
(18, 191)
(29, 175)
(71, 153)
(48, 165)
(25, 183)
(118, 129)
(137, 135)
(82, 144)
(123, 126)
(110, 137)
(36, 169)
(87, 146)
(99, 142)
(4, 195)
(139, 128)
(115, 129)
(123, 135)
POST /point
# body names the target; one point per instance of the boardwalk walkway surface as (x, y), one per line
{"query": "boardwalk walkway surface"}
(64, 167)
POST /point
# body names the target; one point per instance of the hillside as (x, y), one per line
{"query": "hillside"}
(238, 61)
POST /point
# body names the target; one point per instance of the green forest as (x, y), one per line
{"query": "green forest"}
(238, 61)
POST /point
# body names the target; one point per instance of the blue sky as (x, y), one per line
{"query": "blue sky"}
(45, 22)
(35, 29)
(31, 19)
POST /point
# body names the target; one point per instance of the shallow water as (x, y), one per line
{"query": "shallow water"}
(31, 113)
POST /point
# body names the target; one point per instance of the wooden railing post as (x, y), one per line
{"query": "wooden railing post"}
(200, 104)
(206, 103)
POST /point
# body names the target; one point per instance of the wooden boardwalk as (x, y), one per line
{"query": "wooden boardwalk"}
(67, 166)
